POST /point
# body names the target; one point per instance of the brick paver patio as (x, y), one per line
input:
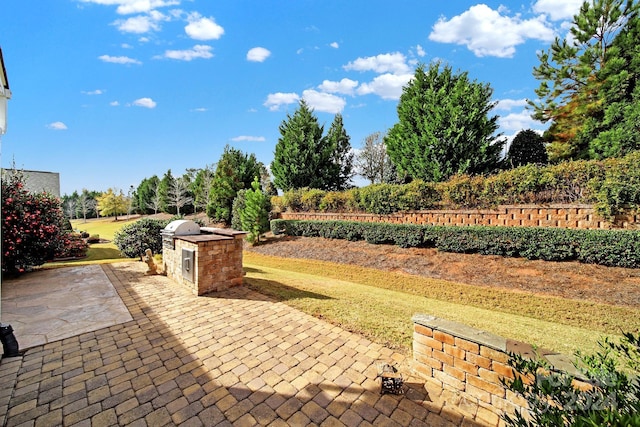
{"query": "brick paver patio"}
(232, 358)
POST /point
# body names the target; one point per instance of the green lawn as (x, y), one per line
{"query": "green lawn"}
(106, 227)
(380, 304)
(98, 253)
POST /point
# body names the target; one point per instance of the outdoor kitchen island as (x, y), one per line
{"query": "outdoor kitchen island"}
(205, 259)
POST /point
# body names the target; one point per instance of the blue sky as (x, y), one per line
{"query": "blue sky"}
(108, 92)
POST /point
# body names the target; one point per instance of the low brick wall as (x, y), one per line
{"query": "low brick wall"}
(469, 363)
(563, 216)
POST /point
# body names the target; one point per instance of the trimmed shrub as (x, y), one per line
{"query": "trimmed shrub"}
(338, 201)
(620, 189)
(73, 246)
(94, 238)
(310, 199)
(616, 248)
(133, 239)
(613, 185)
(463, 191)
(277, 204)
(613, 249)
(291, 200)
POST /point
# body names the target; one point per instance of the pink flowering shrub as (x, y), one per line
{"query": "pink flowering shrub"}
(31, 226)
(73, 246)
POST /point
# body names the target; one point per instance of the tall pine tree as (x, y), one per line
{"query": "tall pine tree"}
(340, 171)
(444, 126)
(616, 131)
(305, 158)
(570, 91)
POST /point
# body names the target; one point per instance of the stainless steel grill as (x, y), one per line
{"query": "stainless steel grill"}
(180, 227)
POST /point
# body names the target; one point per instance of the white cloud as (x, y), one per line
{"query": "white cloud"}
(334, 45)
(93, 92)
(118, 59)
(420, 51)
(114, 103)
(486, 32)
(387, 86)
(142, 23)
(324, 102)
(126, 7)
(517, 121)
(198, 51)
(57, 126)
(199, 109)
(248, 138)
(201, 28)
(510, 104)
(344, 86)
(145, 102)
(395, 63)
(275, 100)
(558, 9)
(258, 54)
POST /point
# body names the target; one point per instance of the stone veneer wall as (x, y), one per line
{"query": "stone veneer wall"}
(469, 363)
(564, 216)
(218, 261)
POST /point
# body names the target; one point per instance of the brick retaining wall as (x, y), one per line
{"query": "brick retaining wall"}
(563, 216)
(469, 363)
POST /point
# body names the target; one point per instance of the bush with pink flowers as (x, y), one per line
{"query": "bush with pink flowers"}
(31, 226)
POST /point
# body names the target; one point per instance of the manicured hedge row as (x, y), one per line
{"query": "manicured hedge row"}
(611, 185)
(614, 248)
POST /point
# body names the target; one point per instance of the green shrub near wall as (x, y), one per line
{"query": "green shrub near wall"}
(612, 185)
(614, 248)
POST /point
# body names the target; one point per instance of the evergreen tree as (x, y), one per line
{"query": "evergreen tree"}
(444, 126)
(146, 193)
(237, 208)
(570, 92)
(234, 171)
(527, 147)
(305, 158)
(616, 132)
(340, 170)
(255, 214)
(163, 192)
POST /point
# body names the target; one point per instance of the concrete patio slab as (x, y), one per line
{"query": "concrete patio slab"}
(51, 305)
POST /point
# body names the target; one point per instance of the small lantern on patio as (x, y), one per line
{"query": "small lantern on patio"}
(390, 379)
